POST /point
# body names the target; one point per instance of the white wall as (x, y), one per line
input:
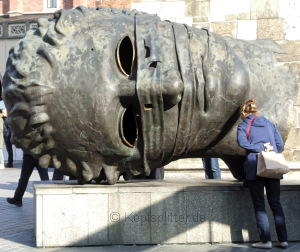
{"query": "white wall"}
(5, 46)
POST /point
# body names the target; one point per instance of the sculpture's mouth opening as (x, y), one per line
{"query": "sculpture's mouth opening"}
(125, 55)
(129, 128)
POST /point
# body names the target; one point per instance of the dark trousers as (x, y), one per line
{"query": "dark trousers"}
(256, 188)
(212, 168)
(57, 175)
(9, 150)
(28, 165)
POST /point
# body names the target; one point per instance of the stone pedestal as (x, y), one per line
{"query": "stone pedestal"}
(153, 212)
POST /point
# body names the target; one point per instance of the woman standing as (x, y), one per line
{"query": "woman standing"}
(262, 135)
(7, 136)
(1, 142)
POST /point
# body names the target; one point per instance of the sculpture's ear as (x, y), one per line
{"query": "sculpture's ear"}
(125, 55)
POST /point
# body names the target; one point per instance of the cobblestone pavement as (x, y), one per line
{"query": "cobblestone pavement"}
(17, 225)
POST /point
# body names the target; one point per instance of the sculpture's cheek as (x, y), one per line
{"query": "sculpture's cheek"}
(237, 81)
(226, 84)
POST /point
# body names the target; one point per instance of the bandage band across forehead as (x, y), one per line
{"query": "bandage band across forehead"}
(149, 90)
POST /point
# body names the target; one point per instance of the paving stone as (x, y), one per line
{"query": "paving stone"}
(17, 226)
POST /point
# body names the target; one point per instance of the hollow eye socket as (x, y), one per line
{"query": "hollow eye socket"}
(125, 55)
(129, 129)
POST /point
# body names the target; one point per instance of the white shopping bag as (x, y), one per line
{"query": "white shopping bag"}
(271, 165)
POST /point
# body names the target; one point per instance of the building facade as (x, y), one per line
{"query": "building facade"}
(278, 20)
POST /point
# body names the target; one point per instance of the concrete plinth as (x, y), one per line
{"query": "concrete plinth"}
(153, 212)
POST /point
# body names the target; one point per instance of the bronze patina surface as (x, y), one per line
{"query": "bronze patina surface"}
(99, 93)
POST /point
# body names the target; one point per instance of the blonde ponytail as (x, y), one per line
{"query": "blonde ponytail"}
(249, 107)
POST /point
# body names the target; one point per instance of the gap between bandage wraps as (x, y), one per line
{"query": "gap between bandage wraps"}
(153, 212)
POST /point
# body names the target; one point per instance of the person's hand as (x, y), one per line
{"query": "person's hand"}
(268, 147)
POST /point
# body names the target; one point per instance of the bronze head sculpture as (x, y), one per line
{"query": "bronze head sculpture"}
(99, 93)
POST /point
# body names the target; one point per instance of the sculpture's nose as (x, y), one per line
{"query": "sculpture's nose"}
(172, 88)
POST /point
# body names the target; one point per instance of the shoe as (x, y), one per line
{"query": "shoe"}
(9, 165)
(281, 244)
(18, 203)
(263, 245)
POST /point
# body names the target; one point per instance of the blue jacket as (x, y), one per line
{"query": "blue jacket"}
(262, 131)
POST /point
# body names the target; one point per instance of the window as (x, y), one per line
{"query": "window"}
(16, 30)
(52, 4)
(33, 26)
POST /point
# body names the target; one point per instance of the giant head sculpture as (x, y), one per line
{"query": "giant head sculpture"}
(99, 93)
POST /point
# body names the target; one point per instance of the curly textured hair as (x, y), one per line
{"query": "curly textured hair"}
(249, 107)
(32, 74)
